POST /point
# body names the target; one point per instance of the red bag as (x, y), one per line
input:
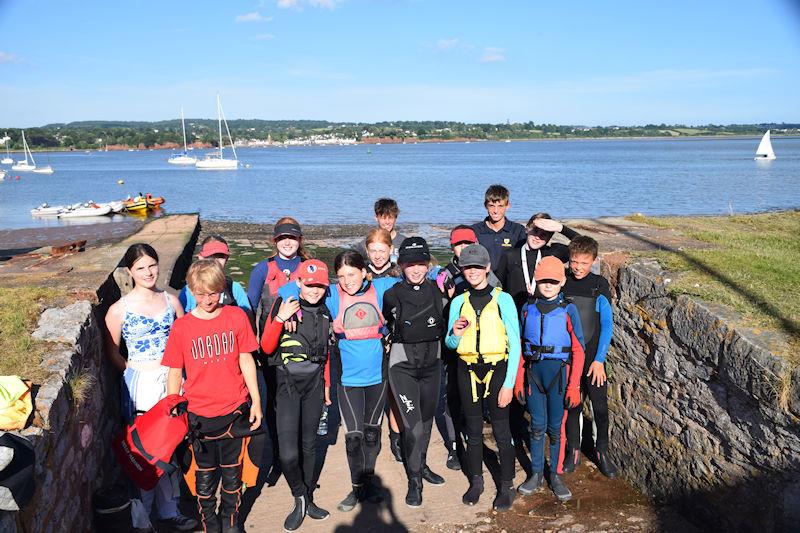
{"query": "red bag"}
(145, 448)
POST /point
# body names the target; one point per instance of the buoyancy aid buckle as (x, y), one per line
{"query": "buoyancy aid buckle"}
(533, 352)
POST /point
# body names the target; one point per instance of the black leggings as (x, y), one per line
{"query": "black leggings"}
(362, 413)
(599, 399)
(473, 418)
(416, 391)
(443, 418)
(299, 400)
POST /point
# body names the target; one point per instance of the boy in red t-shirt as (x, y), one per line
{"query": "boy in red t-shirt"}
(212, 345)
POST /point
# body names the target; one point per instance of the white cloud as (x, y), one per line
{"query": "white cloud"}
(447, 44)
(492, 54)
(254, 16)
(264, 37)
(297, 4)
(5, 57)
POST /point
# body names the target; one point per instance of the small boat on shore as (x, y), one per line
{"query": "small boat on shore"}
(153, 201)
(47, 210)
(764, 151)
(137, 204)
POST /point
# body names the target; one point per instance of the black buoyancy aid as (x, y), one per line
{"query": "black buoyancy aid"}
(310, 340)
(419, 313)
(584, 294)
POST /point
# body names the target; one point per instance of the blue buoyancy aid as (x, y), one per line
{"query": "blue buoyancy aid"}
(544, 331)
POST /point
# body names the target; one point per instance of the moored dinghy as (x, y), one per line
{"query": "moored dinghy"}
(215, 160)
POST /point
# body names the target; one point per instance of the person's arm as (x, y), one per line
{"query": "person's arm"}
(606, 328)
(184, 299)
(256, 284)
(174, 380)
(508, 312)
(248, 368)
(573, 396)
(389, 309)
(568, 232)
(452, 340)
(521, 235)
(176, 305)
(113, 336)
(273, 328)
(501, 272)
(241, 297)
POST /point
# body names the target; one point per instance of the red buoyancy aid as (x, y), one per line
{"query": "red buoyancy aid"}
(277, 278)
(359, 316)
(145, 447)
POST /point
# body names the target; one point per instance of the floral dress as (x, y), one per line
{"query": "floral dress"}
(144, 380)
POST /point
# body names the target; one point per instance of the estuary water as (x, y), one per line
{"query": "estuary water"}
(432, 183)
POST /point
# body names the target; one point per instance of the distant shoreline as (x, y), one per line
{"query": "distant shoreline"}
(126, 148)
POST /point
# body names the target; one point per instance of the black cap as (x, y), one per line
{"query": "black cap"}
(292, 230)
(413, 250)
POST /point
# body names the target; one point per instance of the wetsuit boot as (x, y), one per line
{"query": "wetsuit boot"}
(474, 491)
(414, 495)
(372, 493)
(559, 488)
(531, 484)
(295, 518)
(605, 465)
(429, 475)
(352, 499)
(394, 445)
(505, 496)
(314, 511)
(572, 458)
(453, 463)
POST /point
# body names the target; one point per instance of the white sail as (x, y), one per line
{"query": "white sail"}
(182, 158)
(216, 160)
(764, 150)
(24, 165)
(7, 159)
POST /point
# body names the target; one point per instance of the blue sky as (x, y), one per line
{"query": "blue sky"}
(570, 62)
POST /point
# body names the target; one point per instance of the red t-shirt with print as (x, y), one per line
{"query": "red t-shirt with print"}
(209, 351)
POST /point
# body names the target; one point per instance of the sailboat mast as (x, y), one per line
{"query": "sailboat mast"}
(219, 121)
(183, 127)
(229, 133)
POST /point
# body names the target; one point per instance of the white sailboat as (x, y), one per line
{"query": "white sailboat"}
(182, 158)
(764, 150)
(30, 166)
(7, 159)
(215, 160)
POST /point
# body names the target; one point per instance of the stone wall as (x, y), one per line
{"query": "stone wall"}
(694, 407)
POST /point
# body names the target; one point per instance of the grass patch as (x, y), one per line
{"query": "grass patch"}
(752, 264)
(80, 384)
(19, 310)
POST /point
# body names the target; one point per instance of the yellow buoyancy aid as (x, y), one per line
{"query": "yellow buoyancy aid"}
(484, 341)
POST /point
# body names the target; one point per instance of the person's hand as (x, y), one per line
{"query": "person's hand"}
(505, 396)
(441, 280)
(519, 391)
(573, 397)
(597, 371)
(548, 224)
(288, 308)
(459, 326)
(327, 395)
(451, 290)
(255, 417)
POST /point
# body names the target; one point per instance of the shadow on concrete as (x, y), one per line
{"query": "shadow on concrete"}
(370, 517)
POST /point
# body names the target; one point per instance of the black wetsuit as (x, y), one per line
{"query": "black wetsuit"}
(509, 271)
(300, 394)
(592, 296)
(415, 319)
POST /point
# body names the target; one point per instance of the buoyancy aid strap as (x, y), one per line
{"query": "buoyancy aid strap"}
(558, 376)
(489, 359)
(164, 466)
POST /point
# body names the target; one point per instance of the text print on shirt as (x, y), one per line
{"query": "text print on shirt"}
(213, 346)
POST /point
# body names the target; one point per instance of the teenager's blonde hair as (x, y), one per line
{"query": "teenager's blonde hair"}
(300, 251)
(379, 235)
(205, 275)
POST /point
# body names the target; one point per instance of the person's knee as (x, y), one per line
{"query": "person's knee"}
(372, 435)
(502, 433)
(289, 456)
(353, 443)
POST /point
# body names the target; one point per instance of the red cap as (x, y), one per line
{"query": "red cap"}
(313, 272)
(462, 235)
(214, 247)
(550, 267)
